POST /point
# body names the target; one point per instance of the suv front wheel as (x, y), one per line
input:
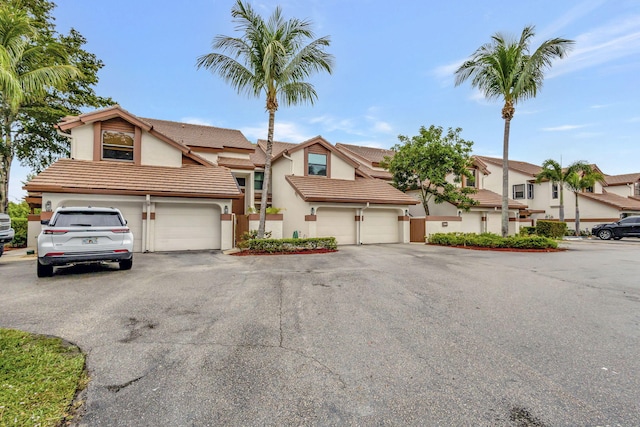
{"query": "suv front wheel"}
(605, 234)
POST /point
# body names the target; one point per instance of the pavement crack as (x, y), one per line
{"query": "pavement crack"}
(117, 387)
(280, 298)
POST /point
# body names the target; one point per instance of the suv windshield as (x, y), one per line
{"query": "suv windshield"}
(87, 219)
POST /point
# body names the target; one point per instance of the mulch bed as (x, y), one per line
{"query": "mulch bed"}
(301, 252)
(478, 248)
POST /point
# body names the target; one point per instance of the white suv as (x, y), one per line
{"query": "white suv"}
(76, 235)
(6, 232)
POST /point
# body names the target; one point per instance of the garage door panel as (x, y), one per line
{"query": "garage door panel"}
(131, 211)
(339, 223)
(186, 227)
(380, 226)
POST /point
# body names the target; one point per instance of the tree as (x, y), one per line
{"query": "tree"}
(271, 58)
(581, 176)
(29, 69)
(36, 142)
(505, 69)
(428, 161)
(552, 171)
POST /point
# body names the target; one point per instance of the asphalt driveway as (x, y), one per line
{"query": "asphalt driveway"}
(371, 335)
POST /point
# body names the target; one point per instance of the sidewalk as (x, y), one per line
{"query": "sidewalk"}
(20, 254)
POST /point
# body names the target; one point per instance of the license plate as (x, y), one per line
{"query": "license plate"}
(90, 241)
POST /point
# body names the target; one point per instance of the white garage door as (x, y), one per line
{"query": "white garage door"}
(339, 223)
(180, 227)
(380, 226)
(132, 212)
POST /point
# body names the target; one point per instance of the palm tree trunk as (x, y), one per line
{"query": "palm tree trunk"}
(577, 217)
(5, 164)
(267, 175)
(505, 178)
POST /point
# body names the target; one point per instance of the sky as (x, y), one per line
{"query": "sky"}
(393, 73)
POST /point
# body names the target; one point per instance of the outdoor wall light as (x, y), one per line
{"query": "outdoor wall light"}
(406, 212)
(313, 211)
(47, 206)
(226, 209)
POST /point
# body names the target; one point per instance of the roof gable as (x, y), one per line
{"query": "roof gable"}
(522, 167)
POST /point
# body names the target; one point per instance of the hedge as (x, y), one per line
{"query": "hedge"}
(19, 225)
(290, 245)
(490, 240)
(553, 229)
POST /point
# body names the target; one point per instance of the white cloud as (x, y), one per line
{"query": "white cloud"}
(382, 127)
(283, 131)
(615, 40)
(446, 73)
(562, 128)
(196, 121)
(598, 106)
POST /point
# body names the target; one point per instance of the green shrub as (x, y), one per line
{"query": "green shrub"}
(273, 211)
(291, 245)
(526, 230)
(251, 235)
(19, 225)
(490, 240)
(553, 229)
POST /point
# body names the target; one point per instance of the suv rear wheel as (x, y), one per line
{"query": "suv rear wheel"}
(44, 270)
(126, 264)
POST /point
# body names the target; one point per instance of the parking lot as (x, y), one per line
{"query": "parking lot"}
(370, 335)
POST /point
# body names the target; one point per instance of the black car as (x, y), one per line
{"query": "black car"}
(626, 227)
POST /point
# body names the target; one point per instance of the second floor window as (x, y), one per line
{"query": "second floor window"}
(471, 182)
(117, 145)
(554, 191)
(258, 180)
(636, 192)
(518, 191)
(317, 164)
(529, 191)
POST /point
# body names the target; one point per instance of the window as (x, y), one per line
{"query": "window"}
(317, 164)
(258, 180)
(471, 182)
(636, 191)
(529, 191)
(241, 182)
(518, 191)
(87, 219)
(117, 145)
(589, 189)
(554, 191)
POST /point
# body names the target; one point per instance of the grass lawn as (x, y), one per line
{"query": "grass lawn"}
(39, 377)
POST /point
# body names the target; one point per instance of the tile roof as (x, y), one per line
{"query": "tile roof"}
(81, 176)
(199, 135)
(258, 157)
(489, 199)
(524, 167)
(622, 179)
(619, 202)
(360, 190)
(371, 154)
(235, 163)
(277, 148)
(385, 175)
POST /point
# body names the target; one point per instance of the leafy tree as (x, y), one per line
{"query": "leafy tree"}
(552, 171)
(273, 58)
(45, 76)
(36, 142)
(581, 176)
(428, 161)
(505, 69)
(27, 71)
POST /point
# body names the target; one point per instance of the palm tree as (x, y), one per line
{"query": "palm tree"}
(28, 69)
(552, 171)
(581, 176)
(505, 69)
(274, 58)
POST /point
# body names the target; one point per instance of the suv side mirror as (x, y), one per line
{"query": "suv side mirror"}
(44, 221)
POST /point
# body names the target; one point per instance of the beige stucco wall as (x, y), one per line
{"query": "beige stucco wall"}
(621, 190)
(158, 153)
(82, 142)
(341, 169)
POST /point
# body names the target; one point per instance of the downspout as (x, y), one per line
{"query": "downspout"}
(147, 225)
(359, 229)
